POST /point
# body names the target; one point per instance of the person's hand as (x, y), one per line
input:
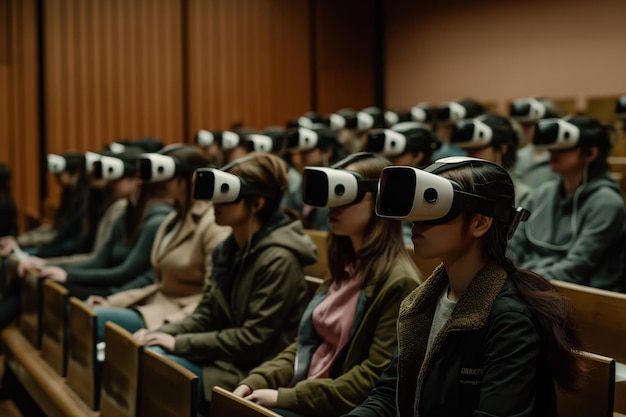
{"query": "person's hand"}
(7, 244)
(265, 397)
(97, 301)
(32, 262)
(140, 335)
(242, 390)
(164, 340)
(54, 273)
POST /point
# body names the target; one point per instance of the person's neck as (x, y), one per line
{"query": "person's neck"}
(357, 243)
(462, 270)
(571, 182)
(243, 232)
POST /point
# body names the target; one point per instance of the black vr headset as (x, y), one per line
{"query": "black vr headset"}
(304, 139)
(224, 188)
(422, 113)
(530, 110)
(226, 139)
(560, 134)
(336, 186)
(620, 108)
(436, 199)
(343, 119)
(403, 137)
(68, 162)
(158, 167)
(454, 111)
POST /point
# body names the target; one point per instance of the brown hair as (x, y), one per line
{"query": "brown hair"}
(383, 245)
(268, 171)
(551, 311)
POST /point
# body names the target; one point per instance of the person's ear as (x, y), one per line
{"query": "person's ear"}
(418, 157)
(591, 154)
(480, 225)
(257, 204)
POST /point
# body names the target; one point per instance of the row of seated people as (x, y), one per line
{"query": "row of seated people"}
(356, 235)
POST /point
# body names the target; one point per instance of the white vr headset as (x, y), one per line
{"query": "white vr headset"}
(110, 168)
(527, 110)
(386, 142)
(558, 134)
(226, 140)
(472, 134)
(56, 163)
(421, 113)
(620, 108)
(90, 159)
(423, 196)
(64, 163)
(345, 120)
(259, 143)
(336, 186)
(395, 117)
(223, 187)
(451, 111)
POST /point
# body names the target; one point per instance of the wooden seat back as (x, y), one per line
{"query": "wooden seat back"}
(31, 301)
(320, 267)
(120, 373)
(54, 325)
(596, 396)
(226, 404)
(83, 374)
(167, 389)
(600, 318)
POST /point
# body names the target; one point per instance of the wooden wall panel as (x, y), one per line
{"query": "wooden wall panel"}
(248, 62)
(345, 43)
(19, 104)
(113, 69)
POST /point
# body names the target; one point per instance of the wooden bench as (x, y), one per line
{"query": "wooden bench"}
(226, 404)
(83, 369)
(54, 326)
(31, 296)
(167, 388)
(120, 373)
(600, 317)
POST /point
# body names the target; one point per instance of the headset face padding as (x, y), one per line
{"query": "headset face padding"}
(557, 134)
(155, 167)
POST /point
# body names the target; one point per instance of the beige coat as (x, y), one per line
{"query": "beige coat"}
(181, 268)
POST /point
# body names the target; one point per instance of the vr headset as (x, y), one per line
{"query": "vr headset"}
(620, 108)
(345, 119)
(90, 159)
(395, 117)
(464, 109)
(530, 110)
(312, 120)
(226, 139)
(370, 118)
(157, 167)
(559, 134)
(68, 162)
(336, 186)
(304, 139)
(403, 137)
(270, 140)
(472, 134)
(436, 199)
(223, 187)
(111, 168)
(422, 113)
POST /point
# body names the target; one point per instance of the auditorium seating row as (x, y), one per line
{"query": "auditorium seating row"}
(54, 355)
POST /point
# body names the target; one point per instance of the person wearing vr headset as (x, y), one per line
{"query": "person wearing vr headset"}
(181, 252)
(316, 146)
(69, 173)
(479, 337)
(405, 144)
(251, 306)
(533, 163)
(124, 258)
(8, 209)
(493, 138)
(576, 230)
(347, 333)
(446, 115)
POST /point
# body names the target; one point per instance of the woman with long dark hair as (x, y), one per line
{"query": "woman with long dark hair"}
(479, 337)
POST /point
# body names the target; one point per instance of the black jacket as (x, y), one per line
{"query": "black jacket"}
(487, 360)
